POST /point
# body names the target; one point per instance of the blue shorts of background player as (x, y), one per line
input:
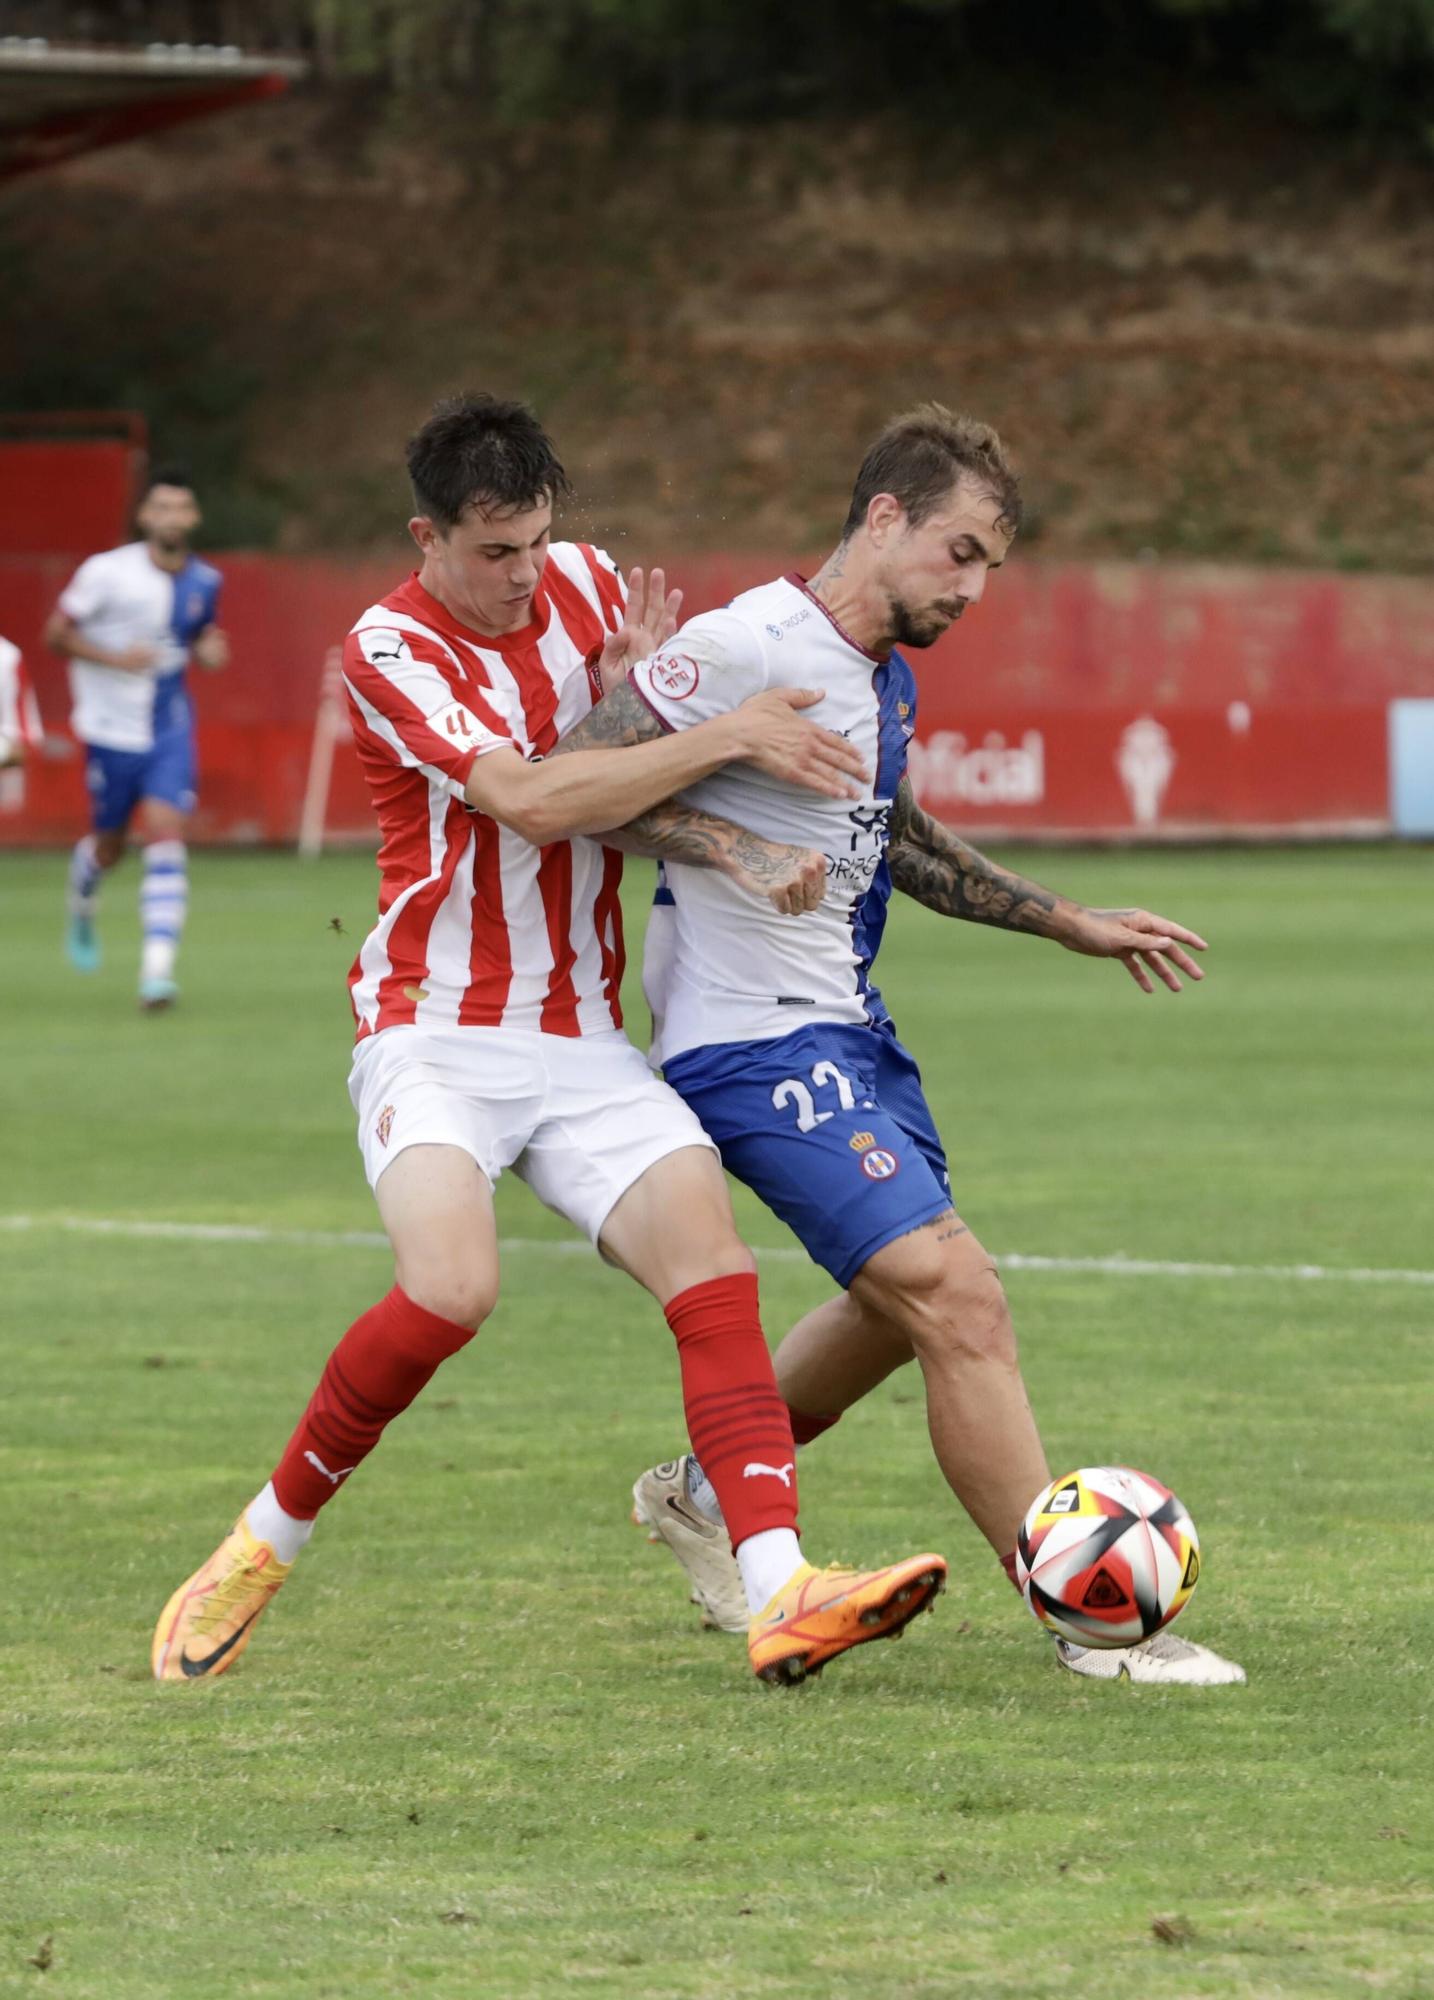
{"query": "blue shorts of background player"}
(119, 779)
(829, 1126)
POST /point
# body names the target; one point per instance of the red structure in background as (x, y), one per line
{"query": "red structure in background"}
(68, 479)
(1123, 701)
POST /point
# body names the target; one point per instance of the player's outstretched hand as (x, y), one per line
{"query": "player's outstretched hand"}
(792, 879)
(649, 621)
(781, 742)
(1143, 942)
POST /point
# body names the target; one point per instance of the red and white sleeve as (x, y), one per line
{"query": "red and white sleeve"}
(408, 707)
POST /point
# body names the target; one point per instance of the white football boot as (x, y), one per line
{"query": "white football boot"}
(662, 1504)
(1162, 1660)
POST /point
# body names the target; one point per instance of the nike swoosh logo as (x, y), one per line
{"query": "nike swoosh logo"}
(192, 1669)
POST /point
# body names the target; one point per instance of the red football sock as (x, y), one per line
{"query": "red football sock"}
(1008, 1564)
(370, 1378)
(805, 1428)
(736, 1418)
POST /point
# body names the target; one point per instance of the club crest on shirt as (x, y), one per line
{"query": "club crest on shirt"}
(673, 674)
(384, 1125)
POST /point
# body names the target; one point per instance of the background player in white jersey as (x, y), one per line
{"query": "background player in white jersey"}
(490, 1034)
(774, 1033)
(129, 621)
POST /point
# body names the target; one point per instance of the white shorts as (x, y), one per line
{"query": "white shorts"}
(578, 1117)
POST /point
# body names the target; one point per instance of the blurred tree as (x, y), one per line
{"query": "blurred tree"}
(1368, 63)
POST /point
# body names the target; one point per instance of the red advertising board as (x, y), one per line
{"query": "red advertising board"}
(1160, 773)
(1122, 701)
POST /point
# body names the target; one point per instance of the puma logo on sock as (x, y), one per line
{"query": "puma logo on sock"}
(332, 1477)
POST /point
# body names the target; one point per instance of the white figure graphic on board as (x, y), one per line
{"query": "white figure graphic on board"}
(1145, 762)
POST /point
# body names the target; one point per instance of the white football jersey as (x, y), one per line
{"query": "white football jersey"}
(123, 598)
(721, 964)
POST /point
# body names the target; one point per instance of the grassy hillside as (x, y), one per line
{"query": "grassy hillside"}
(1205, 335)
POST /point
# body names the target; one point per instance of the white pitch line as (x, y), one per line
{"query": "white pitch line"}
(1118, 1266)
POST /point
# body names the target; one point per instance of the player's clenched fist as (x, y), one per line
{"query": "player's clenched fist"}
(792, 879)
(780, 741)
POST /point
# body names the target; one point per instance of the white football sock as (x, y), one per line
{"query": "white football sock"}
(266, 1520)
(767, 1561)
(163, 903)
(702, 1493)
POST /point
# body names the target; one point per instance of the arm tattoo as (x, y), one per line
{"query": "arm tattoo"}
(620, 720)
(669, 831)
(673, 832)
(931, 864)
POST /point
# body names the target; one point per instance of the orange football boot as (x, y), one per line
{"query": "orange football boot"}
(210, 1619)
(823, 1612)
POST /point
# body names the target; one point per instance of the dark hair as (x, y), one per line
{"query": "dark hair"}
(166, 475)
(477, 451)
(919, 457)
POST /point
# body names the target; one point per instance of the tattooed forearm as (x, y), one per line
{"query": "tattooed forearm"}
(935, 867)
(620, 719)
(672, 832)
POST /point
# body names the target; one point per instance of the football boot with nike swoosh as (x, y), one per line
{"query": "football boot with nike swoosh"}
(210, 1619)
(662, 1504)
(823, 1612)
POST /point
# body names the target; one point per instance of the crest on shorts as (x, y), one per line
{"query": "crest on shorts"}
(385, 1124)
(859, 1141)
(879, 1165)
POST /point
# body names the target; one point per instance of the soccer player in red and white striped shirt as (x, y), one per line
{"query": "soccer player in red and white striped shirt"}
(20, 728)
(490, 1034)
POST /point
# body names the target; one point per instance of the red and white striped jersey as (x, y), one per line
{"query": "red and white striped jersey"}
(476, 927)
(19, 713)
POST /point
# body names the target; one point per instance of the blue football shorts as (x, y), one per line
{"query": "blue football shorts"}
(830, 1127)
(119, 779)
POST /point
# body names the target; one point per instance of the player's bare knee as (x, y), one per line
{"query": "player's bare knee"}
(947, 1298)
(965, 1319)
(465, 1296)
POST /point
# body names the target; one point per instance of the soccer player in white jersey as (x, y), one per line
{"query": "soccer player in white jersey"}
(490, 1036)
(129, 621)
(775, 1035)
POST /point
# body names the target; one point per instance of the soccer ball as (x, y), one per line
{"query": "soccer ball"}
(1106, 1556)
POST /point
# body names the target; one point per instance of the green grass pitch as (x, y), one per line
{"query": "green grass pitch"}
(480, 1746)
